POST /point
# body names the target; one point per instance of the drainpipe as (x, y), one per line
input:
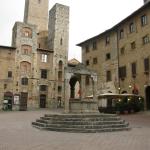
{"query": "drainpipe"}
(118, 60)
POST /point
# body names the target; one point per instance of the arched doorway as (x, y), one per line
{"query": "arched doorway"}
(73, 87)
(147, 92)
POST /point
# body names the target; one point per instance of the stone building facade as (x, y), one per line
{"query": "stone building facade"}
(121, 55)
(33, 67)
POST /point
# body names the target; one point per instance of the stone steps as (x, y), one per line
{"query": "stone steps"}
(84, 123)
(80, 122)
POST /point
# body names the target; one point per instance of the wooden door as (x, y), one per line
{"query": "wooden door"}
(23, 101)
(42, 101)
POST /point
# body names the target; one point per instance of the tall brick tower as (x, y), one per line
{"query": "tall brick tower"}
(36, 13)
(146, 1)
(58, 37)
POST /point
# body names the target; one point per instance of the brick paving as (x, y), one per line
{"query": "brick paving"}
(16, 133)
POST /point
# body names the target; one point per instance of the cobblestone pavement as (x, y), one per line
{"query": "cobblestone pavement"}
(16, 133)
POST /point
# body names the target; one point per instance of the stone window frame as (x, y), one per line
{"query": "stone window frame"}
(9, 74)
(144, 20)
(146, 65)
(133, 69)
(121, 34)
(146, 39)
(122, 72)
(133, 45)
(26, 49)
(27, 32)
(87, 62)
(60, 75)
(87, 49)
(59, 89)
(108, 56)
(44, 58)
(108, 76)
(122, 50)
(25, 67)
(107, 39)
(43, 88)
(131, 27)
(44, 73)
(24, 81)
(95, 60)
(94, 45)
(60, 65)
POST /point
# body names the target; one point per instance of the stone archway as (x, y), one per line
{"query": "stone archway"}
(73, 82)
(147, 94)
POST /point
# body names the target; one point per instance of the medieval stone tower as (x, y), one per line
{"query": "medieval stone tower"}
(58, 36)
(41, 55)
(36, 13)
(146, 1)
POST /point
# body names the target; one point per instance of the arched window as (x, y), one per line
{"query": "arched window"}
(26, 49)
(24, 81)
(27, 32)
(60, 65)
(25, 67)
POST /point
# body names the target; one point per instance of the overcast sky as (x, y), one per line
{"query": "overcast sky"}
(87, 18)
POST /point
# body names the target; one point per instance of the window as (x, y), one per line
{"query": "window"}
(25, 67)
(59, 89)
(87, 80)
(27, 32)
(94, 45)
(9, 74)
(44, 74)
(87, 48)
(133, 69)
(43, 88)
(108, 56)
(133, 45)
(146, 65)
(60, 65)
(107, 40)
(44, 58)
(5, 86)
(143, 20)
(122, 72)
(121, 34)
(61, 41)
(39, 1)
(146, 39)
(60, 75)
(87, 63)
(95, 60)
(26, 49)
(24, 81)
(108, 76)
(122, 51)
(131, 27)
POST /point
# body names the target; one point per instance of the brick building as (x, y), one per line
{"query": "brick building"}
(121, 55)
(32, 68)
